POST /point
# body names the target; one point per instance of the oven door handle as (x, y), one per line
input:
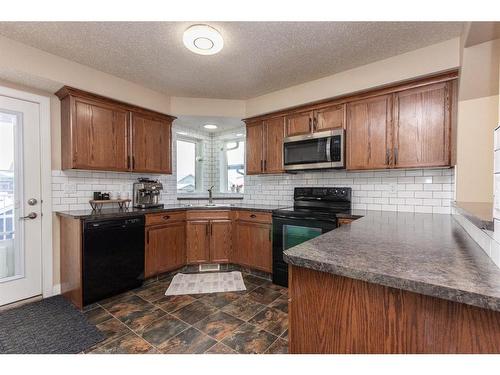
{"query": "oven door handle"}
(332, 220)
(329, 149)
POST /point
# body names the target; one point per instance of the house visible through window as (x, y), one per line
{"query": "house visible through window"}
(233, 166)
(188, 165)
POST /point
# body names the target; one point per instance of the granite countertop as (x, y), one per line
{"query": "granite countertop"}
(429, 254)
(116, 212)
(479, 213)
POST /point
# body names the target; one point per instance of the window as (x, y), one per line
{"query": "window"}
(233, 166)
(188, 165)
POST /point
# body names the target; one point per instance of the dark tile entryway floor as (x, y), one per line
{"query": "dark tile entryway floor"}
(146, 321)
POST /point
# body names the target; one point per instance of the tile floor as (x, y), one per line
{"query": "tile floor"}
(146, 321)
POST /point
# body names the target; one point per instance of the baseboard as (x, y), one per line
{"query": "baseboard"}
(56, 290)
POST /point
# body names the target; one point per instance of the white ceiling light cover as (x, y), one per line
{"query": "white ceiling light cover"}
(203, 40)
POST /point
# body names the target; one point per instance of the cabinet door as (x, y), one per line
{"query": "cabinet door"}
(99, 136)
(329, 118)
(151, 144)
(169, 242)
(274, 134)
(254, 148)
(150, 263)
(298, 123)
(254, 245)
(220, 240)
(422, 127)
(369, 133)
(197, 240)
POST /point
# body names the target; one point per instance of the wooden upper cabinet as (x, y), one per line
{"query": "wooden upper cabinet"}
(329, 118)
(96, 138)
(273, 139)
(298, 123)
(220, 240)
(197, 240)
(151, 144)
(422, 126)
(369, 133)
(99, 133)
(254, 148)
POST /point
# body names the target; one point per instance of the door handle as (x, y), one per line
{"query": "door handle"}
(30, 216)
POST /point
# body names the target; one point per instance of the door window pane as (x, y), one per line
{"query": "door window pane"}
(9, 257)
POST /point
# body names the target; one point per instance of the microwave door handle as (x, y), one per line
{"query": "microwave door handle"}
(329, 149)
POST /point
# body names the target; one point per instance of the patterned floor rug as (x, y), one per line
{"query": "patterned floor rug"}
(210, 282)
(50, 326)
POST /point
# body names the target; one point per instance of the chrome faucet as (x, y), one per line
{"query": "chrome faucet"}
(210, 197)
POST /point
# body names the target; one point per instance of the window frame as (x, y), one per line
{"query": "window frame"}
(223, 180)
(198, 169)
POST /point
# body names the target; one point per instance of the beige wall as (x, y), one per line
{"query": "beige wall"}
(436, 58)
(207, 107)
(474, 175)
(478, 115)
(39, 68)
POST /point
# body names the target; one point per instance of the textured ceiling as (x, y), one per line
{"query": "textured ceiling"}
(258, 57)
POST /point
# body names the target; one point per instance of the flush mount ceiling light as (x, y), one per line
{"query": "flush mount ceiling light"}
(203, 40)
(210, 126)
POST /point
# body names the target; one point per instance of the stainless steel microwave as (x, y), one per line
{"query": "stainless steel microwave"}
(320, 150)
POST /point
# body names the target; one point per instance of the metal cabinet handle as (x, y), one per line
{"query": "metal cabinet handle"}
(253, 216)
(30, 216)
(166, 217)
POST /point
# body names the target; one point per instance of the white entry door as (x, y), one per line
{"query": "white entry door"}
(20, 221)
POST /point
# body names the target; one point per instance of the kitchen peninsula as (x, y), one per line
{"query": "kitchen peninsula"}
(393, 283)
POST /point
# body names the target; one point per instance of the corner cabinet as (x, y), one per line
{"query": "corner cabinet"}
(264, 146)
(99, 133)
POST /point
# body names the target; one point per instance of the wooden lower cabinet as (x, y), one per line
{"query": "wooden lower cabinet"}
(165, 248)
(253, 246)
(198, 245)
(220, 240)
(209, 241)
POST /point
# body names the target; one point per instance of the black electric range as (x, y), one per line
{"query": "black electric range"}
(314, 212)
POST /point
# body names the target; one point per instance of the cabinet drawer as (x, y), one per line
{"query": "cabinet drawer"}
(164, 217)
(208, 214)
(254, 216)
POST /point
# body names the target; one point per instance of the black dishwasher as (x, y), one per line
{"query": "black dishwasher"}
(113, 257)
